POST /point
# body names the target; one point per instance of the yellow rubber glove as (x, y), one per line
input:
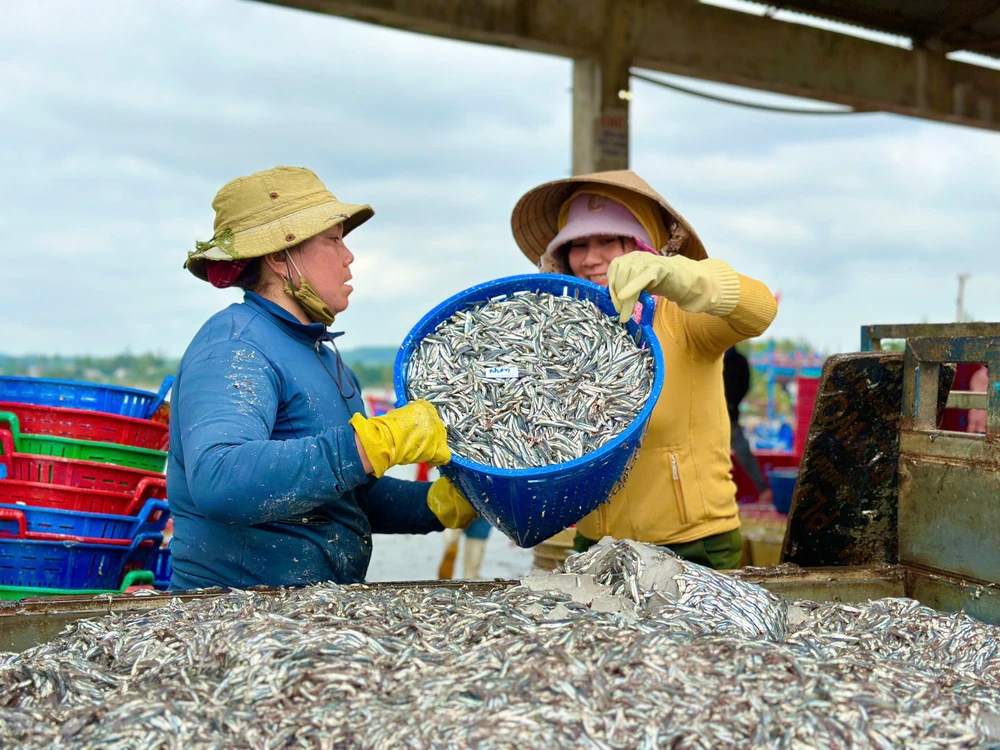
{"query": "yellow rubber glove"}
(709, 286)
(411, 435)
(447, 503)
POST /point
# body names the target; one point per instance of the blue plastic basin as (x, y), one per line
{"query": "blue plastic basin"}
(531, 505)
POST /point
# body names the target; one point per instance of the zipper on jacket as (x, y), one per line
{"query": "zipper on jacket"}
(305, 520)
(678, 488)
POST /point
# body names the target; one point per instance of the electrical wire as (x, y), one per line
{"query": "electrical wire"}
(749, 105)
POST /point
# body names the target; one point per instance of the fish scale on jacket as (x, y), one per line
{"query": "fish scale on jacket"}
(264, 479)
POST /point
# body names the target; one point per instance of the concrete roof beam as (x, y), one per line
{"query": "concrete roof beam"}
(707, 42)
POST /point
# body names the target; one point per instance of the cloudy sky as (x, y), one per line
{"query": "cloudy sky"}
(119, 120)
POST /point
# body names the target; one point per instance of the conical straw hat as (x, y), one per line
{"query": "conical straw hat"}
(536, 216)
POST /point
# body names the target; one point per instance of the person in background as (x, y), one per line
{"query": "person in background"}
(736, 380)
(476, 535)
(275, 475)
(977, 417)
(613, 229)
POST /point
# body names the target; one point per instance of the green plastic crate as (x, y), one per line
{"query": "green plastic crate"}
(132, 578)
(84, 450)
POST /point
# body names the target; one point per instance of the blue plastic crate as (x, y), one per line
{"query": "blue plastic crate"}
(73, 394)
(73, 565)
(782, 483)
(162, 569)
(152, 518)
(531, 505)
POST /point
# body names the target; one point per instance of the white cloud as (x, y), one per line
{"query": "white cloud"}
(121, 119)
(757, 227)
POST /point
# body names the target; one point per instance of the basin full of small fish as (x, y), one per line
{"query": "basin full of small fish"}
(626, 647)
(531, 379)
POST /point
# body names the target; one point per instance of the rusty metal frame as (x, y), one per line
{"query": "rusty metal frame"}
(27, 623)
(949, 489)
(967, 400)
(922, 362)
(873, 336)
(30, 622)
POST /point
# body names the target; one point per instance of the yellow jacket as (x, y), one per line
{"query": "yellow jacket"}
(680, 488)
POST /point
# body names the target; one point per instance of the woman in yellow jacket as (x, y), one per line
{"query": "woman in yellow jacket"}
(614, 229)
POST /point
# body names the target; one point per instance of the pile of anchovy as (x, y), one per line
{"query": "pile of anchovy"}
(580, 381)
(627, 647)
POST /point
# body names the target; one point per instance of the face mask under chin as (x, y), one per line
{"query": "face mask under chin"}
(311, 303)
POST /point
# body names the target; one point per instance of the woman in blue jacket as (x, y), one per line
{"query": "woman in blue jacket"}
(275, 476)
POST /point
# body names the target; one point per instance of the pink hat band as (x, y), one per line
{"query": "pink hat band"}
(596, 216)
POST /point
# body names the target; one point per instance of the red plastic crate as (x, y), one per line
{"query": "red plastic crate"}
(805, 403)
(79, 424)
(52, 480)
(63, 497)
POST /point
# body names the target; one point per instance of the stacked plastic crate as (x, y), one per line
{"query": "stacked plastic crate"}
(82, 487)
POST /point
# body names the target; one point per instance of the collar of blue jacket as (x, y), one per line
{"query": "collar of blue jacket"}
(308, 333)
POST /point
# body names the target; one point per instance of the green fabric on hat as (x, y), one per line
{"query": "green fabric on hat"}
(219, 247)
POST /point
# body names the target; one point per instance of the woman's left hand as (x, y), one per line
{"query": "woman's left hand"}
(448, 504)
(696, 286)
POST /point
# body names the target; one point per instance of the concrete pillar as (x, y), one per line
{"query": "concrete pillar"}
(586, 107)
(600, 116)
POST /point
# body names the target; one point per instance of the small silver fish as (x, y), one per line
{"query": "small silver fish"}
(580, 381)
(625, 646)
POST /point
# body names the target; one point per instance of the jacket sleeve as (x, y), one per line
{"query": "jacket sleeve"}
(395, 506)
(705, 336)
(226, 406)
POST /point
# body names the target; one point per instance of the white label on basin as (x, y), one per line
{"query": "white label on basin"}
(499, 373)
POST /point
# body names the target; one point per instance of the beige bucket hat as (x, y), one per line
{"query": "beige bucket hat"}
(270, 211)
(535, 221)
